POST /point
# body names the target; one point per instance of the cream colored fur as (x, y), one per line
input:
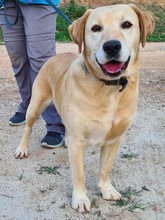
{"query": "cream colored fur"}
(92, 112)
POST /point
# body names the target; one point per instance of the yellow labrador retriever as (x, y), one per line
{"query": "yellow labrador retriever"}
(95, 93)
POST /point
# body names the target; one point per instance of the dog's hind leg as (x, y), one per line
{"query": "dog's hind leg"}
(37, 105)
(107, 154)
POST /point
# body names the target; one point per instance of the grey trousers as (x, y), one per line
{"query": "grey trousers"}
(30, 43)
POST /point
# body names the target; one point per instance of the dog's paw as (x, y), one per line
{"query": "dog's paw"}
(109, 193)
(81, 203)
(20, 154)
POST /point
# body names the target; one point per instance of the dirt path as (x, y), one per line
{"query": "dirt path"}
(26, 194)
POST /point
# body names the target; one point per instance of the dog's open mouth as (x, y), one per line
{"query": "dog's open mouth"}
(114, 68)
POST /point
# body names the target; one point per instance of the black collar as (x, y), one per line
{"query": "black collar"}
(122, 81)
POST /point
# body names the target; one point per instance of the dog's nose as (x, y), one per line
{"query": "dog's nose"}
(112, 47)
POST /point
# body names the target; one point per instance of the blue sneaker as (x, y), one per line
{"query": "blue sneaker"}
(18, 119)
(52, 140)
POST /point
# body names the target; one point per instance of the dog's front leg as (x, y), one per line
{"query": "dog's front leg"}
(107, 154)
(79, 199)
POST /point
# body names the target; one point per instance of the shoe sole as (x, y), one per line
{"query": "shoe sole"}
(17, 124)
(44, 144)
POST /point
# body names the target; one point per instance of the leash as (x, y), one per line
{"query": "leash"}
(58, 11)
(3, 3)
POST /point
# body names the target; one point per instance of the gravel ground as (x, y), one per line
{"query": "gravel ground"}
(26, 194)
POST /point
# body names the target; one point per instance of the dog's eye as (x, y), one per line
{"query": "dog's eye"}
(126, 25)
(96, 28)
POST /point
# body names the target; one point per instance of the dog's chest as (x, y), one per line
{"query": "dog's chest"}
(98, 130)
(98, 121)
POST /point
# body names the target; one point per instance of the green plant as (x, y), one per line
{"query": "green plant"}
(127, 201)
(73, 12)
(121, 202)
(93, 203)
(53, 202)
(159, 30)
(49, 170)
(156, 37)
(1, 35)
(21, 176)
(131, 192)
(138, 205)
(129, 156)
(145, 188)
(62, 206)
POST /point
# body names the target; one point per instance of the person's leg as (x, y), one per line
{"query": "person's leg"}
(40, 25)
(15, 42)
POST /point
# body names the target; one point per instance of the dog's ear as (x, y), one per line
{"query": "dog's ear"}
(146, 23)
(76, 29)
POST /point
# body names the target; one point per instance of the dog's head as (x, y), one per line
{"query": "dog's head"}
(110, 36)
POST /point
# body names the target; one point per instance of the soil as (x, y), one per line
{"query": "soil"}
(25, 194)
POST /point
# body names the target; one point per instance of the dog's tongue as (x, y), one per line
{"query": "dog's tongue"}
(113, 66)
